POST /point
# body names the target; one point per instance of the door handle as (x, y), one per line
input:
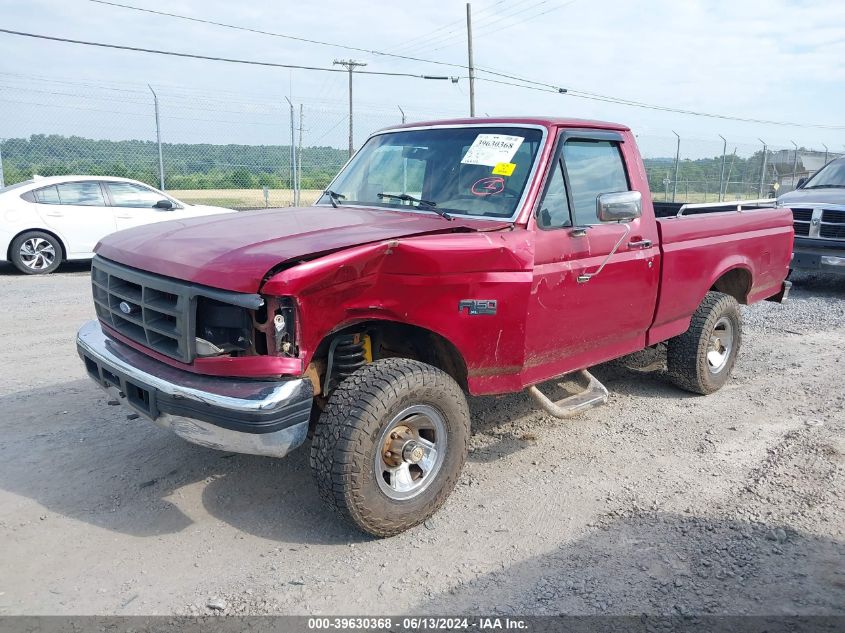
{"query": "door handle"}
(125, 216)
(640, 244)
(56, 214)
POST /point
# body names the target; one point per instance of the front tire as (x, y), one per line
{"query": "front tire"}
(701, 359)
(390, 445)
(36, 253)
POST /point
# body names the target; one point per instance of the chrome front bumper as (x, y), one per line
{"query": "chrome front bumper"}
(242, 416)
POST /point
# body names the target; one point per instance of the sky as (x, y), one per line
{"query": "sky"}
(772, 60)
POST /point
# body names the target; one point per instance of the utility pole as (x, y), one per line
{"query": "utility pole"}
(158, 140)
(794, 164)
(677, 162)
(350, 65)
(722, 173)
(470, 65)
(292, 157)
(2, 177)
(299, 161)
(823, 145)
(403, 114)
(763, 167)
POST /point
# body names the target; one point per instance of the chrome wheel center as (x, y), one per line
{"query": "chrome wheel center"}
(37, 253)
(411, 451)
(720, 345)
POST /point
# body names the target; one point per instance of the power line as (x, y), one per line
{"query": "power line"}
(211, 58)
(458, 34)
(457, 30)
(319, 42)
(190, 100)
(649, 106)
(273, 34)
(138, 114)
(509, 24)
(537, 85)
(312, 41)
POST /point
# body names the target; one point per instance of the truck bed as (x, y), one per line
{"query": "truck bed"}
(698, 249)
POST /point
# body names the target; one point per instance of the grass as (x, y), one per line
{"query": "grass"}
(244, 198)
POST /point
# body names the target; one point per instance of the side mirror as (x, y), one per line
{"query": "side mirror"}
(623, 206)
(801, 183)
(163, 204)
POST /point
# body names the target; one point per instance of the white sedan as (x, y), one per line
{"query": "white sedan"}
(48, 220)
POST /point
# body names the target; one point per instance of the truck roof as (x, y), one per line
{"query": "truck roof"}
(545, 121)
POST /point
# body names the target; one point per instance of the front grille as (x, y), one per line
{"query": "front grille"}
(152, 310)
(801, 228)
(155, 311)
(801, 222)
(836, 216)
(833, 224)
(833, 231)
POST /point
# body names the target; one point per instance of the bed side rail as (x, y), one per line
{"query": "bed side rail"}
(733, 205)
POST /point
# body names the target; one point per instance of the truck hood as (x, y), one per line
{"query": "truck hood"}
(831, 195)
(236, 251)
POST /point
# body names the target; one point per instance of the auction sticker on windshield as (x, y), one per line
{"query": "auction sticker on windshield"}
(492, 149)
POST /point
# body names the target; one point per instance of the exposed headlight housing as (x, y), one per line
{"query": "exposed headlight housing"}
(284, 328)
(222, 328)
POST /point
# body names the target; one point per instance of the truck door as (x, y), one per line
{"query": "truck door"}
(574, 324)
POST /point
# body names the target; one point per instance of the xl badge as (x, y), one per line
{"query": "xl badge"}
(477, 306)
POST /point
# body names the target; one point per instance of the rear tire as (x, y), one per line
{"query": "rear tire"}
(36, 253)
(701, 359)
(390, 445)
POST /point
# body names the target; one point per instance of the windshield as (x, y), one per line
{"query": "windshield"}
(475, 171)
(831, 175)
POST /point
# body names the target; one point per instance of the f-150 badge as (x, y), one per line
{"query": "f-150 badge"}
(477, 306)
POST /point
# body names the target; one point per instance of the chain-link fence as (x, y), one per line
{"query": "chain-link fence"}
(243, 152)
(685, 169)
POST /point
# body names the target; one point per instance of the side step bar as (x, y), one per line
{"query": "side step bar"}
(593, 395)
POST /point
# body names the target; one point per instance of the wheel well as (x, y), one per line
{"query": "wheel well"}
(51, 233)
(736, 283)
(400, 340)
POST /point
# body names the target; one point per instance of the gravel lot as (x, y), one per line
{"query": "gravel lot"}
(660, 502)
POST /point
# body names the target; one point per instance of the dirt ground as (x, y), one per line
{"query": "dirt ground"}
(660, 502)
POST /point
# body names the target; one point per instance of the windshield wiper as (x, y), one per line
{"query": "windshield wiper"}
(334, 197)
(428, 205)
(825, 187)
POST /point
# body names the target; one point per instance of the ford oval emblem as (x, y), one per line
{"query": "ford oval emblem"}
(125, 307)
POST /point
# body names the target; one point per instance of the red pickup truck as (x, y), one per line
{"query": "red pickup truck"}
(481, 256)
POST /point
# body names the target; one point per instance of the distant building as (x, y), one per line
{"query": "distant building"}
(782, 163)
